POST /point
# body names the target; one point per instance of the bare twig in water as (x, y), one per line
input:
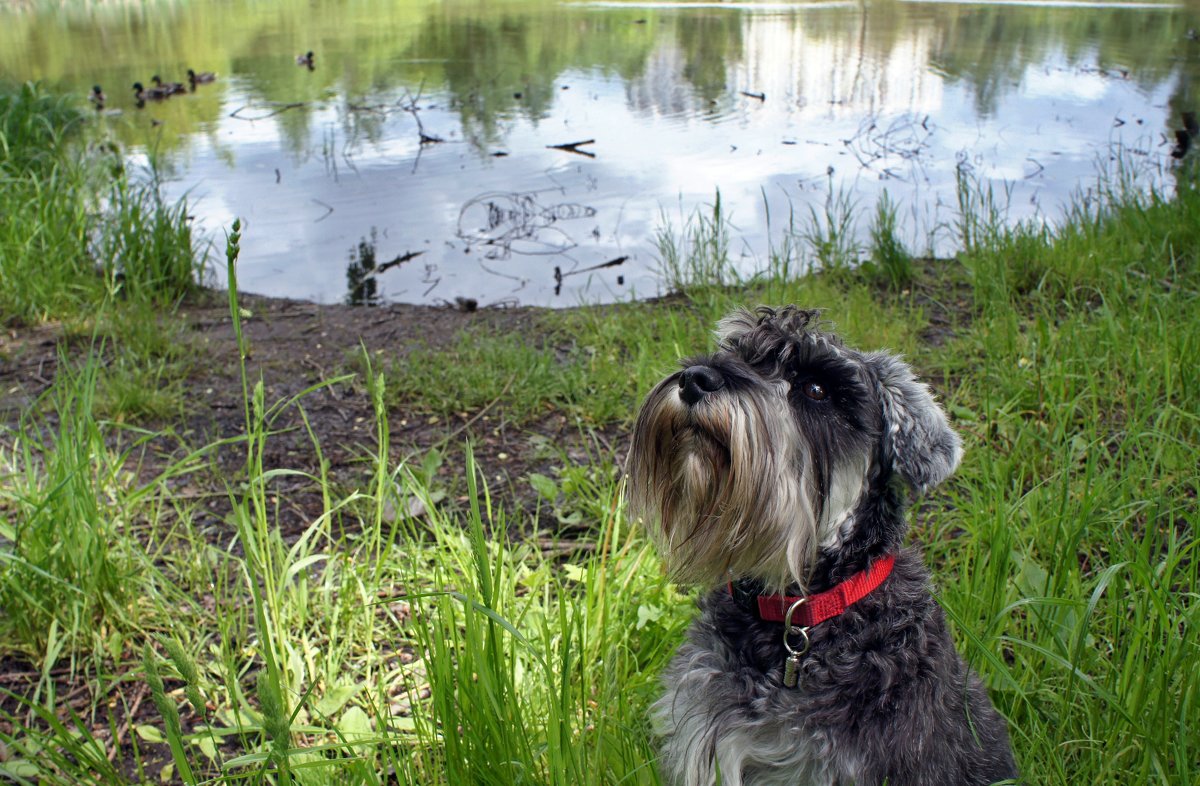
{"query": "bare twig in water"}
(573, 147)
(906, 138)
(391, 263)
(328, 211)
(518, 223)
(399, 260)
(519, 281)
(375, 109)
(274, 107)
(559, 275)
(411, 108)
(610, 263)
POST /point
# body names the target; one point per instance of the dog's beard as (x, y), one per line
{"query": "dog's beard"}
(729, 487)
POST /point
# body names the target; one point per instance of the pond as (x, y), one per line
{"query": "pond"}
(535, 152)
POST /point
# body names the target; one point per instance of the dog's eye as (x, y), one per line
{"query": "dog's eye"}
(814, 390)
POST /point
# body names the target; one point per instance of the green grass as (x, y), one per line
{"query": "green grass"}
(1081, 398)
(67, 579)
(889, 260)
(76, 225)
(389, 641)
(44, 201)
(696, 255)
(88, 245)
(830, 233)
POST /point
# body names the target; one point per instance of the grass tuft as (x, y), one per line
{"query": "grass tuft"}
(889, 261)
(830, 235)
(145, 246)
(697, 255)
(67, 580)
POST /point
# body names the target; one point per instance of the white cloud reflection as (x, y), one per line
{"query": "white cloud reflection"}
(881, 118)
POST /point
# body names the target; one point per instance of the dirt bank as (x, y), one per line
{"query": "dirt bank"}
(294, 346)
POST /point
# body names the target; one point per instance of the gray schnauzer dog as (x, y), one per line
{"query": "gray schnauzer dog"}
(776, 471)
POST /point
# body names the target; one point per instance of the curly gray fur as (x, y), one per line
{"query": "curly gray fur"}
(787, 459)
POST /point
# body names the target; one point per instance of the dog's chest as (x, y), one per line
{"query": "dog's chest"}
(721, 714)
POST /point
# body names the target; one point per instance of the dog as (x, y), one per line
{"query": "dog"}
(775, 473)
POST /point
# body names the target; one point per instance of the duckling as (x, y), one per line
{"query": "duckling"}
(142, 94)
(306, 60)
(202, 78)
(171, 87)
(97, 97)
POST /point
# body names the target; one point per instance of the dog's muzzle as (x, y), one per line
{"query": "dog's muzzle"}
(696, 382)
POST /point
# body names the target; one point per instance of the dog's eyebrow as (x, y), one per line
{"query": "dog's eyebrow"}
(825, 355)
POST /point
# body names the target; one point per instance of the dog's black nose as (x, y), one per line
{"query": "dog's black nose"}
(698, 381)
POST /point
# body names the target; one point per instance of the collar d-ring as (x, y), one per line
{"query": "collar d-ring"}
(791, 630)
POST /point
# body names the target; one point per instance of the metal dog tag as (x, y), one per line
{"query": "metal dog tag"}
(791, 670)
(791, 664)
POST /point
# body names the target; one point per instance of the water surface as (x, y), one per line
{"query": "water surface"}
(777, 106)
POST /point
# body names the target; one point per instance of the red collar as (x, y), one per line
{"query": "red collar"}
(820, 607)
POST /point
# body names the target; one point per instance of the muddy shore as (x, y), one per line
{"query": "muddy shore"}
(294, 346)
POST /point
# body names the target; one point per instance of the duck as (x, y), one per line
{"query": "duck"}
(202, 78)
(97, 97)
(149, 93)
(171, 87)
(306, 60)
(1185, 135)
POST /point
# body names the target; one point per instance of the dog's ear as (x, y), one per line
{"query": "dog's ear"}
(917, 439)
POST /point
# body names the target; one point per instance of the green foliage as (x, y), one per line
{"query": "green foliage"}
(76, 226)
(145, 247)
(169, 713)
(66, 574)
(696, 257)
(77, 231)
(889, 262)
(51, 745)
(188, 672)
(830, 234)
(476, 370)
(33, 124)
(1077, 387)
(601, 361)
(541, 668)
(44, 201)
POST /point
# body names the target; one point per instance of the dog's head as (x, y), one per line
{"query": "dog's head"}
(781, 445)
